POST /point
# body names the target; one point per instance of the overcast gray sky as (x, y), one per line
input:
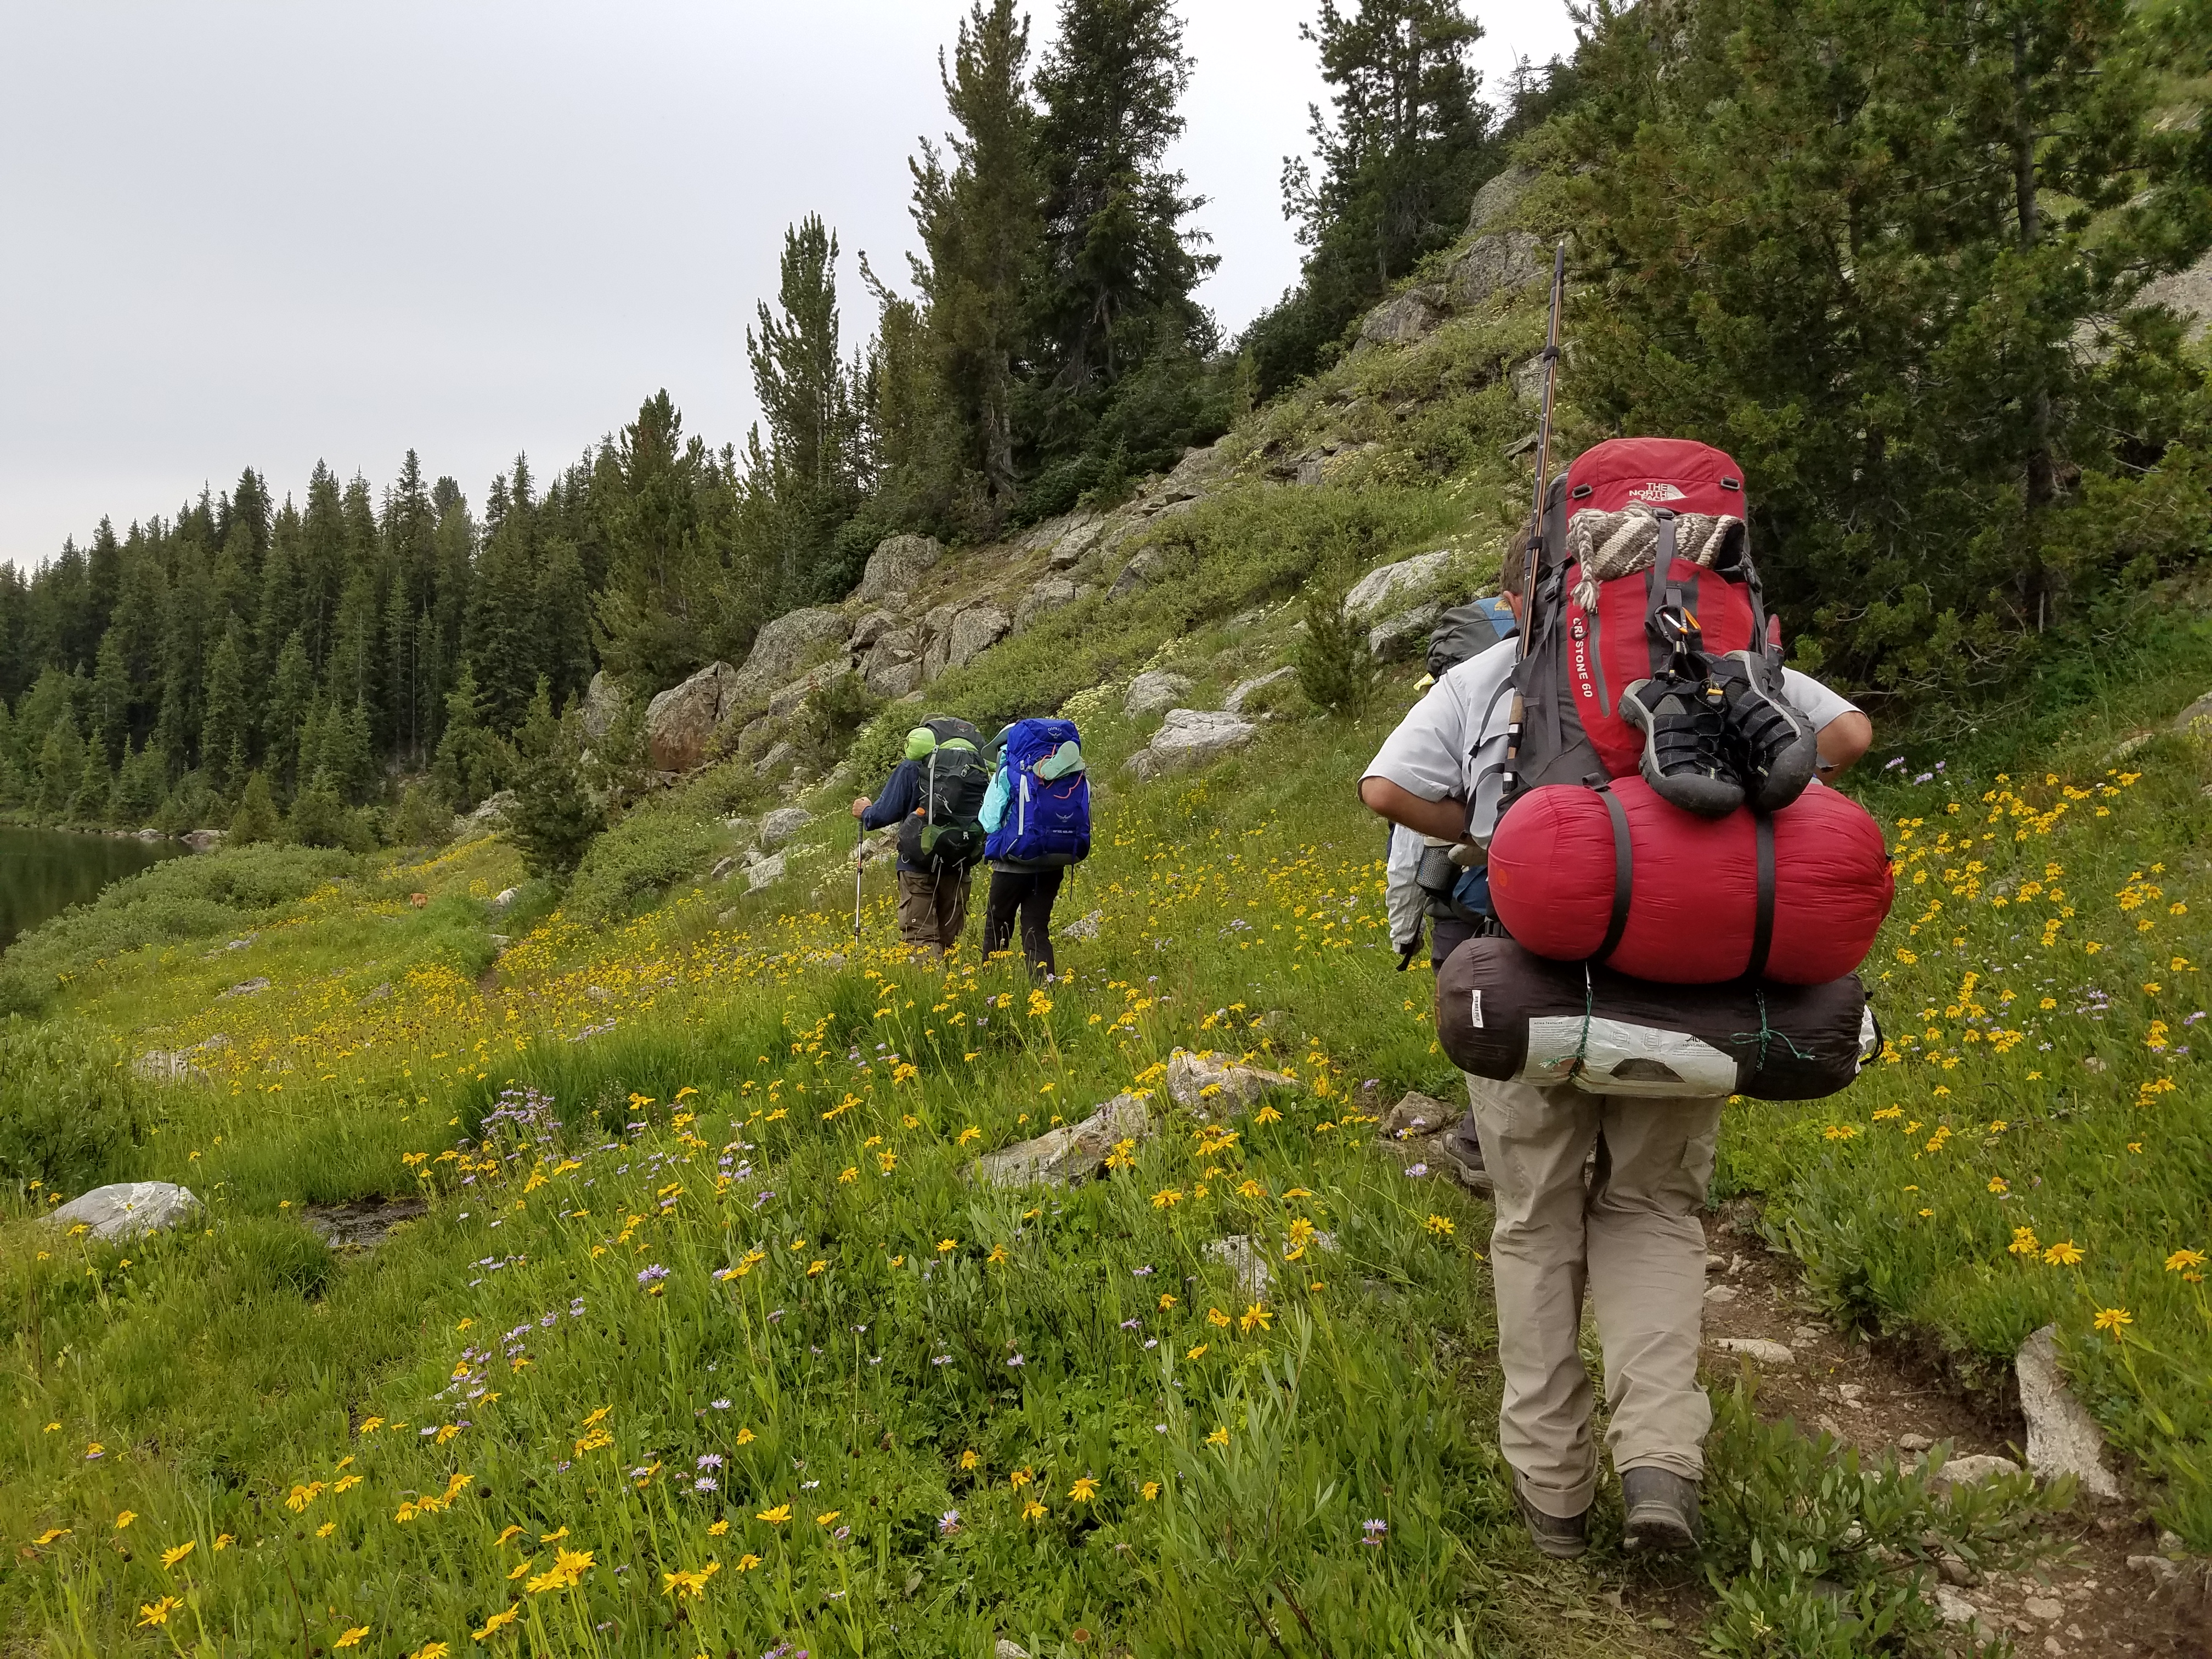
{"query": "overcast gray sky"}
(238, 232)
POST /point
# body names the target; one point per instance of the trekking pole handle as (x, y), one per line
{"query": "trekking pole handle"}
(1532, 556)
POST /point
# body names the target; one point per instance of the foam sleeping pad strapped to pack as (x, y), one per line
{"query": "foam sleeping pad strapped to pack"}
(1694, 913)
(1505, 1013)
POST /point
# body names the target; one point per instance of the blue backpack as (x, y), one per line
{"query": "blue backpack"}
(1048, 819)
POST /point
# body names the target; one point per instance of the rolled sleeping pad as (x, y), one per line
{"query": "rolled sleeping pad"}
(1505, 1013)
(1619, 877)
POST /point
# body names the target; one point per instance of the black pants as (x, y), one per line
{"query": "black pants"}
(1031, 893)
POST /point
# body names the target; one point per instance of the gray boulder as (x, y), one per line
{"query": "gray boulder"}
(246, 988)
(1191, 737)
(1154, 691)
(1390, 588)
(1494, 264)
(2186, 720)
(1072, 1152)
(205, 841)
(1417, 1114)
(1142, 571)
(1500, 196)
(779, 753)
(1757, 1348)
(1244, 691)
(792, 641)
(975, 631)
(780, 825)
(681, 722)
(1045, 596)
(128, 1209)
(501, 902)
(895, 680)
(603, 706)
(1404, 633)
(871, 628)
(766, 873)
(2061, 1438)
(786, 699)
(2188, 293)
(1076, 537)
(491, 812)
(1217, 1085)
(897, 565)
(1402, 320)
(1971, 1471)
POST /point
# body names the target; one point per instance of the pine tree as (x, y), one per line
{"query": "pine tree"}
(1115, 294)
(140, 785)
(469, 762)
(980, 219)
(256, 817)
(61, 768)
(502, 640)
(554, 821)
(226, 721)
(806, 397)
(111, 692)
(89, 804)
(11, 763)
(319, 817)
(291, 699)
(184, 653)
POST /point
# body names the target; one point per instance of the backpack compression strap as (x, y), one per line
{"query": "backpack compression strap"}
(1624, 872)
(1762, 933)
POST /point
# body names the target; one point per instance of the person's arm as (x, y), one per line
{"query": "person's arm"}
(1445, 819)
(1403, 901)
(994, 799)
(897, 800)
(1842, 741)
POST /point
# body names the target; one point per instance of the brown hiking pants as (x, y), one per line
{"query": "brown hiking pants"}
(932, 907)
(1633, 1238)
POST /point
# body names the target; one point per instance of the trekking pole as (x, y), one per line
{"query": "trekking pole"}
(860, 868)
(1533, 555)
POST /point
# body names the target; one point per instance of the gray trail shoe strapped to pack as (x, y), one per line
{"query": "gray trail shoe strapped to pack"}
(1774, 750)
(1662, 1512)
(1684, 720)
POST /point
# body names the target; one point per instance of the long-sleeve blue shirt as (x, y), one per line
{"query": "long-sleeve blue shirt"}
(901, 794)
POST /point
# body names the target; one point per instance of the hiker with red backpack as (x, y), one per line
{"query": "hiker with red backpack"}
(1037, 817)
(1636, 740)
(935, 794)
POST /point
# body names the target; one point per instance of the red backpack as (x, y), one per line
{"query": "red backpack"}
(1581, 657)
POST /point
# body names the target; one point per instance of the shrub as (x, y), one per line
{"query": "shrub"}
(424, 819)
(1335, 669)
(640, 858)
(256, 817)
(68, 1114)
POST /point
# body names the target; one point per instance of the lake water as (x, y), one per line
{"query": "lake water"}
(44, 871)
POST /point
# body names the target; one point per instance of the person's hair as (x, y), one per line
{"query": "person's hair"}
(1513, 566)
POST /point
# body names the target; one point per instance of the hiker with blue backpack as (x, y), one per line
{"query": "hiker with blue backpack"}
(935, 794)
(1037, 816)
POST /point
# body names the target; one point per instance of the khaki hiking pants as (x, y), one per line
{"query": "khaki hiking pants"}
(1633, 1238)
(932, 907)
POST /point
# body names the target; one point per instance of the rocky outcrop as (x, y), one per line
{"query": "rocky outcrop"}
(782, 647)
(1492, 266)
(1217, 1085)
(1042, 599)
(786, 699)
(1402, 320)
(975, 631)
(780, 825)
(1499, 197)
(205, 841)
(2061, 1438)
(1191, 737)
(1244, 691)
(897, 566)
(602, 705)
(179, 1064)
(1403, 632)
(2187, 292)
(681, 722)
(1389, 587)
(490, 814)
(128, 1209)
(1155, 691)
(1072, 1152)
(1143, 568)
(893, 666)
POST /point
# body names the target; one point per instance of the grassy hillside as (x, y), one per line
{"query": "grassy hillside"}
(694, 1335)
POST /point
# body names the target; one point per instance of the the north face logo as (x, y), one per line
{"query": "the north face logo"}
(1656, 492)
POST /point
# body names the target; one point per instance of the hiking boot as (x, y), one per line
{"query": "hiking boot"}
(1662, 1512)
(1563, 1539)
(1775, 748)
(1684, 720)
(1462, 1152)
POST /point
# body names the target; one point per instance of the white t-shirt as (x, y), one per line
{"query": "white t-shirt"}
(1452, 743)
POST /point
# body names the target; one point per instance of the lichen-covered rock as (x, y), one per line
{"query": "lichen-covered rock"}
(1142, 570)
(1189, 738)
(1402, 320)
(897, 565)
(1403, 632)
(1044, 598)
(779, 826)
(895, 680)
(1416, 1115)
(1077, 539)
(681, 722)
(766, 873)
(1971, 1471)
(1155, 691)
(1499, 197)
(786, 699)
(1494, 264)
(1244, 691)
(1072, 1152)
(205, 841)
(792, 641)
(128, 1209)
(2063, 1438)
(975, 631)
(602, 705)
(1389, 587)
(1217, 1085)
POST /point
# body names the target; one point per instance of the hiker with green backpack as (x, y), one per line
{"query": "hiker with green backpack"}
(936, 795)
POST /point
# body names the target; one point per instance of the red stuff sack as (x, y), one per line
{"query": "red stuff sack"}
(1797, 897)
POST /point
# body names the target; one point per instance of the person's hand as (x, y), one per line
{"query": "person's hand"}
(860, 805)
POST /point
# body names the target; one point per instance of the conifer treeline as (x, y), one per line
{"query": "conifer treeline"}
(310, 649)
